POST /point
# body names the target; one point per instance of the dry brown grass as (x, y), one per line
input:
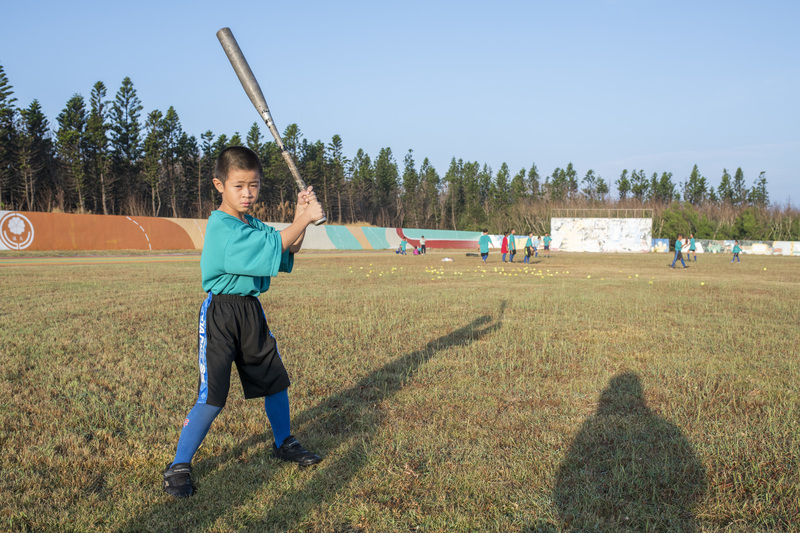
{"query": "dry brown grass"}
(442, 396)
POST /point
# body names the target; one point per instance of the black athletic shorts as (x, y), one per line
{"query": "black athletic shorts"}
(233, 329)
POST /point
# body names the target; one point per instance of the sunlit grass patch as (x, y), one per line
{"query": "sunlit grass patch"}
(580, 392)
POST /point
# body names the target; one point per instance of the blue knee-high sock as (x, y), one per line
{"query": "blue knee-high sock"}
(195, 428)
(277, 409)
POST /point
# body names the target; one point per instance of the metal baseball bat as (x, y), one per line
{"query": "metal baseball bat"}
(253, 90)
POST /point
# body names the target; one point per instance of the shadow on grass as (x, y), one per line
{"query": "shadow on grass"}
(347, 421)
(628, 469)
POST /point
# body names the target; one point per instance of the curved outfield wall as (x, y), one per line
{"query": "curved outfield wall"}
(24, 230)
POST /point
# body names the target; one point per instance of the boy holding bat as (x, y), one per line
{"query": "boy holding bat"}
(240, 255)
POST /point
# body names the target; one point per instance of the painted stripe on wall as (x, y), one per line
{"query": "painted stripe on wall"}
(343, 239)
(377, 238)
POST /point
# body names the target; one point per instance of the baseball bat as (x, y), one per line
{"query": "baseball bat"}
(253, 90)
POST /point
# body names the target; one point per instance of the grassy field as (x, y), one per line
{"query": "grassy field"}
(581, 392)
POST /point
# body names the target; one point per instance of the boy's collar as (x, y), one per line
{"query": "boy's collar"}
(247, 218)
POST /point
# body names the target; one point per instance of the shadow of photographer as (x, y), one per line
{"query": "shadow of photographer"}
(628, 469)
(347, 421)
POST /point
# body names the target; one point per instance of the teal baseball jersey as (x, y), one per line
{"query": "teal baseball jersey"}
(484, 242)
(241, 258)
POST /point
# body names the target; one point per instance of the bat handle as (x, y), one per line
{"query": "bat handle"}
(297, 178)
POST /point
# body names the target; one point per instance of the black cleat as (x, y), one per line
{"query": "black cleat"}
(178, 480)
(291, 450)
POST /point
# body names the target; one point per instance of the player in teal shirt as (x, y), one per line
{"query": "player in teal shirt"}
(240, 256)
(736, 252)
(678, 254)
(692, 248)
(528, 248)
(547, 240)
(483, 243)
(512, 246)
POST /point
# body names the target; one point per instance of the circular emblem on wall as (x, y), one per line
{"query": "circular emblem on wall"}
(16, 231)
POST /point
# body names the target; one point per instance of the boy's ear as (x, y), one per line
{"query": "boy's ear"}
(219, 185)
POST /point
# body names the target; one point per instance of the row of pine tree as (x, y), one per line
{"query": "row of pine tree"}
(105, 156)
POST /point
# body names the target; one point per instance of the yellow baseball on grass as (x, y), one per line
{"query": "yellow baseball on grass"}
(588, 276)
(702, 283)
(765, 268)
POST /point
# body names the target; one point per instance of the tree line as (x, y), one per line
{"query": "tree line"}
(105, 156)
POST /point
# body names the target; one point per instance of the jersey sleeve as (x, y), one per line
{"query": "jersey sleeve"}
(287, 262)
(256, 250)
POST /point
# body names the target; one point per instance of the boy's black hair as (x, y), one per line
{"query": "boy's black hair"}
(236, 158)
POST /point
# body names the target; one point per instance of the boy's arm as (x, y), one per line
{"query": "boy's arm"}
(298, 243)
(308, 210)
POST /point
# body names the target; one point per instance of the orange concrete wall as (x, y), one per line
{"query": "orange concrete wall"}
(24, 230)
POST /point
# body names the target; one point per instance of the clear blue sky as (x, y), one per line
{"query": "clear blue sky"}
(604, 84)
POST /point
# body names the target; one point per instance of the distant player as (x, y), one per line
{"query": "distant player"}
(547, 240)
(504, 246)
(512, 246)
(240, 256)
(736, 252)
(484, 242)
(692, 248)
(422, 248)
(528, 248)
(678, 253)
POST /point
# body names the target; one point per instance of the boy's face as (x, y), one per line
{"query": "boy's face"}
(239, 192)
